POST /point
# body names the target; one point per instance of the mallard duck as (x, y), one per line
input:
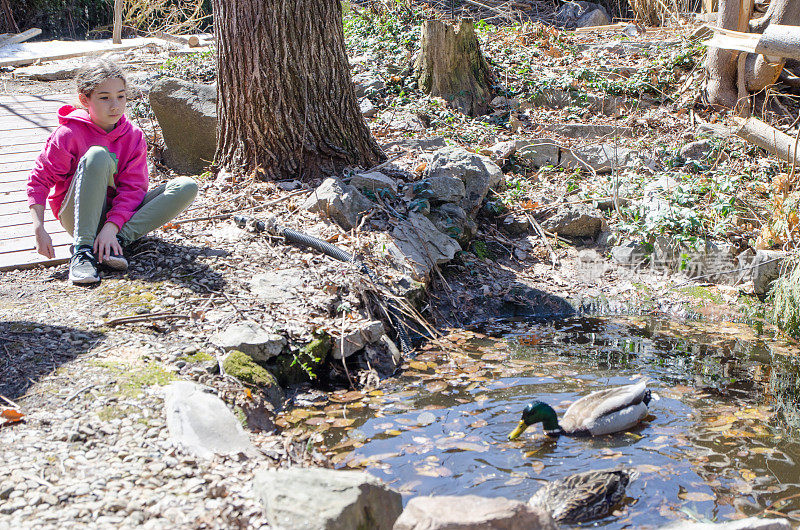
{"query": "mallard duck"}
(602, 412)
(584, 496)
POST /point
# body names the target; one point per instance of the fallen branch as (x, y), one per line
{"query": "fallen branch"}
(540, 232)
(767, 137)
(20, 37)
(144, 318)
(230, 214)
(777, 41)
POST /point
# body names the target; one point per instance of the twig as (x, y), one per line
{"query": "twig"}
(384, 164)
(228, 214)
(540, 232)
(78, 392)
(144, 318)
(10, 402)
(341, 350)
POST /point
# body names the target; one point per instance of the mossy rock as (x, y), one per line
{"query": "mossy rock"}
(245, 369)
(292, 369)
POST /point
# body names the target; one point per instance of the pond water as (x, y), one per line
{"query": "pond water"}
(722, 441)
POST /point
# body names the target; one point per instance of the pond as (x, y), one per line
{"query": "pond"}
(722, 441)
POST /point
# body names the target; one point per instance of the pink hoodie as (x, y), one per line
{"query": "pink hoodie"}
(56, 164)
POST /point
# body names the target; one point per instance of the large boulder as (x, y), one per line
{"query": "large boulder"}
(187, 115)
(443, 188)
(338, 201)
(750, 523)
(578, 220)
(579, 14)
(241, 366)
(452, 220)
(477, 172)
(768, 266)
(201, 423)
(325, 499)
(418, 245)
(471, 512)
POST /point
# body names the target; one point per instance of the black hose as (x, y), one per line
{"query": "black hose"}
(336, 253)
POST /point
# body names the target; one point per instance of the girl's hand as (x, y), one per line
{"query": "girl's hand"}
(106, 242)
(44, 243)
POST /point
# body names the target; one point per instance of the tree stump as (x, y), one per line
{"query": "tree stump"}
(450, 65)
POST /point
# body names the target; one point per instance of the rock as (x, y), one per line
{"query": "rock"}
(419, 144)
(476, 171)
(375, 182)
(242, 367)
(578, 220)
(278, 287)
(251, 339)
(325, 499)
(578, 14)
(443, 188)
(631, 254)
(769, 264)
(367, 108)
(401, 121)
(55, 71)
(601, 157)
(453, 221)
(418, 245)
(367, 83)
(589, 130)
(339, 201)
(356, 340)
(201, 423)
(696, 150)
(290, 185)
(750, 523)
(607, 238)
(470, 512)
(516, 224)
(539, 153)
(187, 115)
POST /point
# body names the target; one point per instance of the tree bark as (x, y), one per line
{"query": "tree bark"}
(286, 105)
(450, 65)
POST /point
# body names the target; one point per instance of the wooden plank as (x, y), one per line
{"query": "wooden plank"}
(26, 229)
(17, 185)
(18, 244)
(27, 137)
(17, 100)
(20, 218)
(13, 196)
(20, 37)
(9, 152)
(9, 167)
(27, 259)
(14, 176)
(57, 57)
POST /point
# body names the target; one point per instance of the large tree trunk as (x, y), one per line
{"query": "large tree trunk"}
(286, 105)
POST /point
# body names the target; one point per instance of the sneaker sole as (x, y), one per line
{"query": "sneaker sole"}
(84, 281)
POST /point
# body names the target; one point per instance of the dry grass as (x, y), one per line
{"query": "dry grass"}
(170, 16)
(661, 12)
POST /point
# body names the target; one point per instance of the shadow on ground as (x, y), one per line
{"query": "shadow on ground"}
(30, 351)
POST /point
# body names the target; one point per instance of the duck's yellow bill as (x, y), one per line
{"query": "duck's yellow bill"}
(519, 430)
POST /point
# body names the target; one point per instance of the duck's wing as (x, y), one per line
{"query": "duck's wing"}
(584, 413)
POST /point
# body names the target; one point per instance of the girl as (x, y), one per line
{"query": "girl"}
(95, 165)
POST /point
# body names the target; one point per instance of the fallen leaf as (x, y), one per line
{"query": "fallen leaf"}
(695, 496)
(11, 416)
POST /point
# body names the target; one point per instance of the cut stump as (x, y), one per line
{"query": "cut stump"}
(450, 65)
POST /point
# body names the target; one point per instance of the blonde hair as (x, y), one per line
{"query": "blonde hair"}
(95, 72)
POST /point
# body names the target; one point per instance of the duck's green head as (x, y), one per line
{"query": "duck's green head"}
(536, 412)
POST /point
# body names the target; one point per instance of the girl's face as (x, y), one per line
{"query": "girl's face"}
(107, 103)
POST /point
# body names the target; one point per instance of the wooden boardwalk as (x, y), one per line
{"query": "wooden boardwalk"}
(25, 123)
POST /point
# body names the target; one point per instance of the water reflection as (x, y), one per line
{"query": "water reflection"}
(722, 442)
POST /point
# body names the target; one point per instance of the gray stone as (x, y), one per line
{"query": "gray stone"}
(696, 150)
(442, 188)
(539, 153)
(278, 286)
(251, 339)
(338, 201)
(187, 114)
(290, 185)
(577, 220)
(750, 523)
(418, 245)
(501, 151)
(631, 254)
(477, 172)
(201, 423)
(375, 182)
(577, 14)
(367, 108)
(402, 121)
(602, 158)
(768, 268)
(367, 83)
(354, 341)
(589, 130)
(54, 71)
(325, 499)
(470, 512)
(453, 221)
(516, 224)
(419, 144)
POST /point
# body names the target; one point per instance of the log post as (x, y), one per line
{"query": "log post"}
(117, 33)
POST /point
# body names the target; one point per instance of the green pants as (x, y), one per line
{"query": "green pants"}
(84, 209)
